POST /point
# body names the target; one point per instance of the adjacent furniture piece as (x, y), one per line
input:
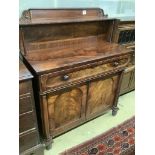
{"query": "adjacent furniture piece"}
(77, 69)
(124, 34)
(29, 141)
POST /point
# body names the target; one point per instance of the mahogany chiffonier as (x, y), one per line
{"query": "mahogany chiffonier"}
(29, 141)
(77, 69)
(124, 34)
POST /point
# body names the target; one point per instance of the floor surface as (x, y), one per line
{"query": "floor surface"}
(95, 127)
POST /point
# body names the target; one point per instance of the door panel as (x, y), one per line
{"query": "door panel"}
(66, 107)
(101, 95)
(125, 85)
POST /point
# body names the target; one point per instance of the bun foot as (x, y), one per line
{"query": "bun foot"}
(49, 146)
(114, 111)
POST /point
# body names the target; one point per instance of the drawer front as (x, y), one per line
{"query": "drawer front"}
(52, 81)
(25, 87)
(26, 122)
(34, 151)
(28, 140)
(25, 103)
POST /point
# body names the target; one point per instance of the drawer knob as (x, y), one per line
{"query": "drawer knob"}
(66, 77)
(115, 64)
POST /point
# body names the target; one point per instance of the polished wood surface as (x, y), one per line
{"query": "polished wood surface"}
(54, 55)
(51, 81)
(66, 107)
(77, 68)
(101, 95)
(28, 130)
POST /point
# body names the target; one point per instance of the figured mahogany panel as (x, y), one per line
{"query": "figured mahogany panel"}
(66, 107)
(56, 81)
(101, 95)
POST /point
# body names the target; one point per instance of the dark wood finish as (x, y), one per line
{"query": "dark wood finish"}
(25, 103)
(37, 150)
(124, 34)
(77, 69)
(26, 121)
(28, 130)
(29, 140)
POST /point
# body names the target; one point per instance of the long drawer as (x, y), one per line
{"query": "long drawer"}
(50, 81)
(26, 121)
(25, 87)
(25, 103)
(28, 140)
(37, 150)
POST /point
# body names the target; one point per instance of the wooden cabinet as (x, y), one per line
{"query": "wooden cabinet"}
(29, 140)
(124, 34)
(77, 69)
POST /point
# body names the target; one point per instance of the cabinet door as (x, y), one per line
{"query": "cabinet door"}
(66, 109)
(101, 95)
(125, 85)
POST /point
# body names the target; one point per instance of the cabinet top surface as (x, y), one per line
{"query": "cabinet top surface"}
(24, 73)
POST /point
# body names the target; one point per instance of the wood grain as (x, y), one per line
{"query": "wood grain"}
(52, 81)
(75, 63)
(101, 95)
(66, 107)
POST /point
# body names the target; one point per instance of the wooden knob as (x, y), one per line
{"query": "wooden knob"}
(115, 64)
(66, 77)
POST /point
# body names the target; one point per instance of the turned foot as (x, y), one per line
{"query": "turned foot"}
(114, 111)
(48, 146)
